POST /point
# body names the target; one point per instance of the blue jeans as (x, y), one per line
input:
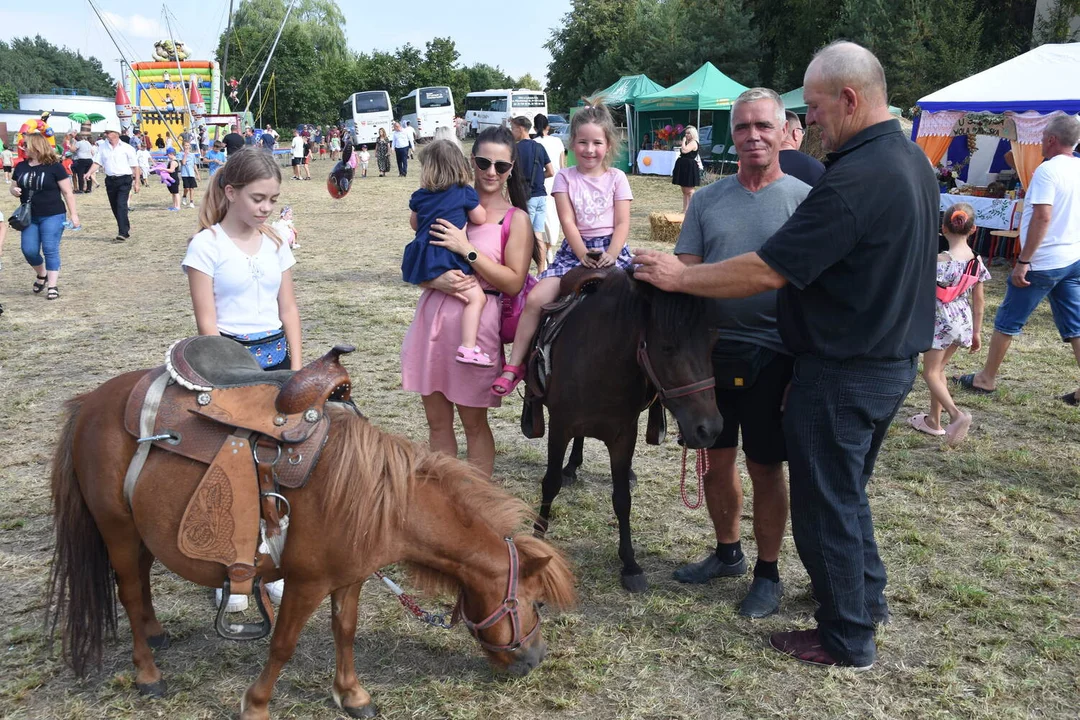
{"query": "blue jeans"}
(836, 417)
(43, 236)
(537, 212)
(1061, 285)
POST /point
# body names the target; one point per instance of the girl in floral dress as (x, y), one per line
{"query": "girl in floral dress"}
(958, 322)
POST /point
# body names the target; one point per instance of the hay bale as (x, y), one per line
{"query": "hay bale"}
(665, 227)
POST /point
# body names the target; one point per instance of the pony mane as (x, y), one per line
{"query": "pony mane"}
(686, 315)
(372, 483)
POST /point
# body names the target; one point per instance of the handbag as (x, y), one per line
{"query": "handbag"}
(22, 218)
(737, 365)
(512, 305)
(968, 279)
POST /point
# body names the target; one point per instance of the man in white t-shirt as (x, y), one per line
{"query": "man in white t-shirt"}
(1049, 261)
(122, 174)
(297, 154)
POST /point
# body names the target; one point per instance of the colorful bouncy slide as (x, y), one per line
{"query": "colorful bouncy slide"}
(166, 85)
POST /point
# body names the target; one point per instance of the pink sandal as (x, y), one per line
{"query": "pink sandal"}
(473, 356)
(919, 423)
(503, 386)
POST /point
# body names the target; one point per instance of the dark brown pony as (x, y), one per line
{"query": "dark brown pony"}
(600, 383)
(373, 499)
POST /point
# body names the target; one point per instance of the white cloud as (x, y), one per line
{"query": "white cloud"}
(136, 26)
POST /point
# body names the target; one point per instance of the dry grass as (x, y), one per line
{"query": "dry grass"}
(981, 543)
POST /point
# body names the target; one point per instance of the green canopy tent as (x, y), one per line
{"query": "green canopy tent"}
(793, 101)
(625, 91)
(705, 89)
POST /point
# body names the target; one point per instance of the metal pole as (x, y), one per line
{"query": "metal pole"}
(225, 60)
(270, 56)
(179, 70)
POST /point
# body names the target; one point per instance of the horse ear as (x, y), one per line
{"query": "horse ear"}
(533, 566)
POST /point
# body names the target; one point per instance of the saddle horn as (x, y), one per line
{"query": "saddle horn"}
(318, 381)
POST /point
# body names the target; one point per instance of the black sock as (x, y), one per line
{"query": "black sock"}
(729, 553)
(767, 570)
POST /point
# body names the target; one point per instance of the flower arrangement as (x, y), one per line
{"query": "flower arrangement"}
(947, 173)
(667, 134)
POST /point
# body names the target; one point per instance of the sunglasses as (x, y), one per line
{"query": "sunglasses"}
(501, 166)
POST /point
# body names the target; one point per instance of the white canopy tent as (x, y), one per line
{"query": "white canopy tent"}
(1013, 100)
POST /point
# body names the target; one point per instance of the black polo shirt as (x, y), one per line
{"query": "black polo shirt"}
(797, 163)
(859, 253)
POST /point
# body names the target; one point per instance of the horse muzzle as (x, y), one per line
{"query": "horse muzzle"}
(527, 658)
(701, 434)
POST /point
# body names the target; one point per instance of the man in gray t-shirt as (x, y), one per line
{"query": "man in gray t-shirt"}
(730, 217)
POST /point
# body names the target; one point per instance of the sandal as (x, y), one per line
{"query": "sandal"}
(968, 383)
(1070, 399)
(53, 294)
(473, 356)
(919, 423)
(503, 386)
(40, 284)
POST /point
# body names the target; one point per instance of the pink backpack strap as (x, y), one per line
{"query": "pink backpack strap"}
(504, 230)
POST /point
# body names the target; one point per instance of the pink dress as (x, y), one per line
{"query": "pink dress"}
(430, 346)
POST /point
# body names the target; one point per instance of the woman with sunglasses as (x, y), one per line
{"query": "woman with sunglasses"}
(499, 251)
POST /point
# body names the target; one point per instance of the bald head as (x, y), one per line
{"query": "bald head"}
(844, 64)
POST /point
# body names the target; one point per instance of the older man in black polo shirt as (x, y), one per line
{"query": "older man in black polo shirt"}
(855, 269)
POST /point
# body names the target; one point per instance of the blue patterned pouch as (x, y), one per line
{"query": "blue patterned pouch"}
(270, 348)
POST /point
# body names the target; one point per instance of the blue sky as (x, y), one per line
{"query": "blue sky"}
(489, 36)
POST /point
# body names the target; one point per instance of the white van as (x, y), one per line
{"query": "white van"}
(363, 113)
(427, 109)
(492, 108)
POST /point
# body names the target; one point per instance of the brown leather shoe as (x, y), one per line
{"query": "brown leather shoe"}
(805, 646)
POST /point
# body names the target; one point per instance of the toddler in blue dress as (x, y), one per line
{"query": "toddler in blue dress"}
(446, 192)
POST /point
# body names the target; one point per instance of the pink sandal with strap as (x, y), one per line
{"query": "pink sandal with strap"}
(473, 356)
(502, 386)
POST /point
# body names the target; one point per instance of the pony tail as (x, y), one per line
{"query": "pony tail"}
(214, 205)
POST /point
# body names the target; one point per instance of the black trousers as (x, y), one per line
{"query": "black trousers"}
(79, 168)
(402, 160)
(837, 415)
(117, 187)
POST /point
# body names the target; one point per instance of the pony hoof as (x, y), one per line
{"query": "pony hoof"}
(364, 711)
(635, 583)
(569, 477)
(159, 642)
(153, 690)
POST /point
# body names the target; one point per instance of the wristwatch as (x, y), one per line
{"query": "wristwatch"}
(470, 257)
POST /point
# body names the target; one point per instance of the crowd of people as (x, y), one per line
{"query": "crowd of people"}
(827, 287)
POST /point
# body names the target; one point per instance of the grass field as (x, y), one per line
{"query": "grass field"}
(982, 543)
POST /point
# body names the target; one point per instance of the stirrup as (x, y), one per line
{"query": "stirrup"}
(243, 631)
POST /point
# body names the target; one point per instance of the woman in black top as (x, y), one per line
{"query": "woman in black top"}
(687, 174)
(45, 183)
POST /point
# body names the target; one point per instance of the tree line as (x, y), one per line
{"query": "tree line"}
(923, 44)
(34, 65)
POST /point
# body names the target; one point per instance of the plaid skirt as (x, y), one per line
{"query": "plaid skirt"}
(565, 260)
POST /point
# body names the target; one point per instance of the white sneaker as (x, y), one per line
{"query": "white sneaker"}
(275, 590)
(237, 603)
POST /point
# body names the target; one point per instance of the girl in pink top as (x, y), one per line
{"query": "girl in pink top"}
(593, 200)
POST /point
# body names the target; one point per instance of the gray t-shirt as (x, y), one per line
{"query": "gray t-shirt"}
(724, 220)
(84, 150)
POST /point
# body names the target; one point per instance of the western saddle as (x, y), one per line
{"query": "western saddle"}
(256, 431)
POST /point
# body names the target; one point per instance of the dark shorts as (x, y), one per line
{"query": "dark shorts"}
(174, 186)
(189, 183)
(297, 161)
(756, 411)
(7, 168)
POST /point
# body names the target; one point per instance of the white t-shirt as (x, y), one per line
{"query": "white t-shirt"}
(116, 161)
(1056, 182)
(245, 287)
(412, 134)
(298, 147)
(555, 150)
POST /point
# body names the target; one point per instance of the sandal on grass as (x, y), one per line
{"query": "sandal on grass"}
(1070, 399)
(53, 294)
(473, 356)
(504, 386)
(40, 284)
(968, 383)
(919, 423)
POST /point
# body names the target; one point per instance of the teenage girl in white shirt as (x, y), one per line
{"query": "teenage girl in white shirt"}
(240, 275)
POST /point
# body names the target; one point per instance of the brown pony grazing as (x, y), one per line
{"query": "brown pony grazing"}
(625, 346)
(373, 499)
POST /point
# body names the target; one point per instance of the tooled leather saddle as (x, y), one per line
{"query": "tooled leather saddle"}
(256, 431)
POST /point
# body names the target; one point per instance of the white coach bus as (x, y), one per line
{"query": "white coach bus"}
(364, 113)
(491, 108)
(427, 109)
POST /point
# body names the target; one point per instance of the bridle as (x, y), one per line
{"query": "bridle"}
(508, 608)
(662, 393)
